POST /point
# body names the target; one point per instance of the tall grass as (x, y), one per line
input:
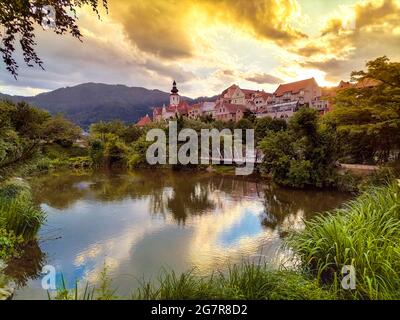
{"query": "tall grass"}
(18, 214)
(365, 234)
(246, 281)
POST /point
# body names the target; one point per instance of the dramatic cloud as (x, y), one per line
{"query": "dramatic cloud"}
(167, 28)
(358, 33)
(206, 45)
(264, 78)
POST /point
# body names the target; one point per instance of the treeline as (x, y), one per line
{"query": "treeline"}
(26, 132)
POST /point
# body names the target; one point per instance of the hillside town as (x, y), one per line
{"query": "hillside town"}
(234, 102)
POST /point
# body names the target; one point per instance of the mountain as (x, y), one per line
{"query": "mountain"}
(87, 103)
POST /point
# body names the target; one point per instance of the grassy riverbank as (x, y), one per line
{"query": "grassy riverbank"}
(364, 234)
(20, 219)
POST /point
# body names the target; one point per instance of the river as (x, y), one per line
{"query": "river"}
(137, 223)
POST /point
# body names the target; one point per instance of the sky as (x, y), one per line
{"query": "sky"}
(207, 45)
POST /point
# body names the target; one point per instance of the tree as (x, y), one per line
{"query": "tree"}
(265, 125)
(24, 130)
(60, 131)
(20, 133)
(19, 18)
(367, 119)
(302, 155)
(101, 129)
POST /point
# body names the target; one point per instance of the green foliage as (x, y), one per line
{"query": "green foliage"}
(365, 234)
(263, 126)
(96, 152)
(115, 150)
(61, 131)
(137, 155)
(101, 129)
(102, 292)
(303, 155)
(26, 133)
(247, 281)
(367, 120)
(9, 243)
(17, 212)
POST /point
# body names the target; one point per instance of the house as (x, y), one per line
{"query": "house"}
(157, 114)
(306, 92)
(144, 121)
(225, 111)
(260, 100)
(235, 95)
(283, 111)
(328, 94)
(194, 111)
(200, 109)
(208, 108)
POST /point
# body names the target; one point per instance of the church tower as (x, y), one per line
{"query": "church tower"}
(174, 97)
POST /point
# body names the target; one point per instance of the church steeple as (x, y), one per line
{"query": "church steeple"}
(174, 97)
(174, 89)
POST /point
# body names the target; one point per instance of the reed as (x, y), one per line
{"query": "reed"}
(247, 281)
(18, 214)
(365, 234)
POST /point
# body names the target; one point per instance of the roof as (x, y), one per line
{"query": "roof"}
(368, 83)
(229, 90)
(144, 121)
(157, 111)
(233, 108)
(194, 106)
(294, 87)
(363, 83)
(181, 108)
(263, 94)
(248, 93)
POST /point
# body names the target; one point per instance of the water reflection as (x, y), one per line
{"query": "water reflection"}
(27, 266)
(139, 222)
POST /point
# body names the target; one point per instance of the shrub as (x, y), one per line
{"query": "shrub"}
(9, 243)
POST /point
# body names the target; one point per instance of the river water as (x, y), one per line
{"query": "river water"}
(140, 222)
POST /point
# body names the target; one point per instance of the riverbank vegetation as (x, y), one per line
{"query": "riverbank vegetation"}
(365, 234)
(26, 136)
(20, 219)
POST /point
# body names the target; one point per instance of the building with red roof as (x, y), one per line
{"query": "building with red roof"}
(225, 111)
(144, 121)
(304, 91)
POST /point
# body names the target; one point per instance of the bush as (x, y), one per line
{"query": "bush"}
(9, 243)
(303, 155)
(80, 162)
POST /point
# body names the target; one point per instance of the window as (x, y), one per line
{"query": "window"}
(302, 92)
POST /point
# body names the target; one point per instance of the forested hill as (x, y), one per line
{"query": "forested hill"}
(91, 102)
